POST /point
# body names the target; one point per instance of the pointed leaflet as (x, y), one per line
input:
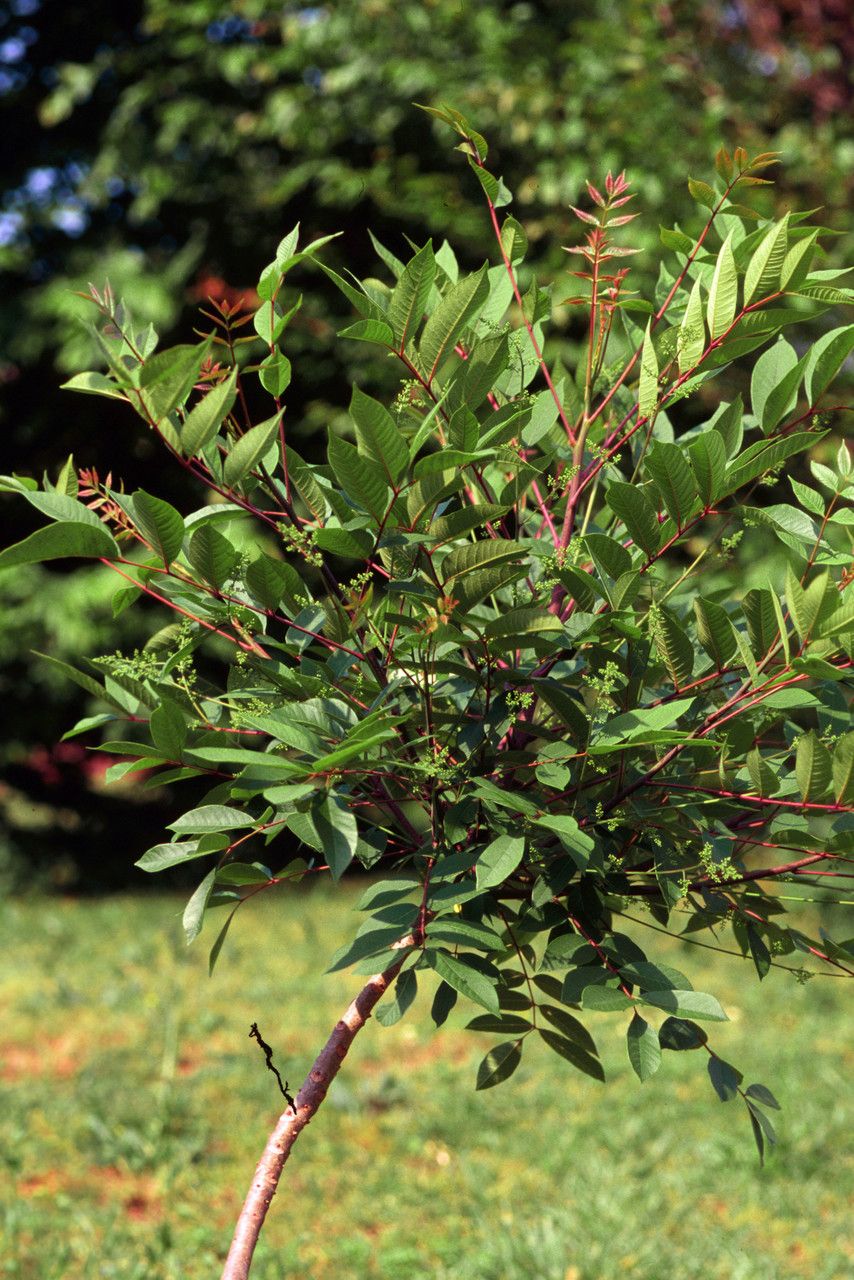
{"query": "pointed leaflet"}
(499, 1064)
(577, 843)
(637, 513)
(761, 617)
(764, 456)
(95, 384)
(357, 296)
(160, 524)
(515, 628)
(168, 729)
(670, 470)
(728, 422)
(271, 580)
(648, 382)
(714, 631)
(378, 436)
(463, 977)
(60, 540)
(359, 477)
(194, 912)
(499, 860)
(761, 1094)
(275, 374)
(812, 767)
(797, 261)
(167, 378)
(843, 769)
(376, 331)
(806, 604)
(477, 555)
(409, 299)
(723, 292)
(782, 398)
(674, 648)
(708, 462)
(172, 855)
(204, 420)
(405, 991)
(691, 342)
(764, 779)
(457, 309)
(768, 372)
(211, 555)
(826, 358)
(211, 817)
(573, 1054)
(762, 276)
(248, 451)
(725, 1078)
(336, 831)
(693, 1004)
(643, 1047)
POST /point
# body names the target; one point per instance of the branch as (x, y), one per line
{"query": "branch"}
(292, 1121)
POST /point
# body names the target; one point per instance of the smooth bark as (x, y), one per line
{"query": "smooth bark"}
(291, 1123)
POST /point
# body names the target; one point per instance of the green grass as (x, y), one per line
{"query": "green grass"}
(134, 1107)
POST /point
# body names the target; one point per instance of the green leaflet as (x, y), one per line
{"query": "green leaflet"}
(691, 1004)
(498, 861)
(167, 378)
(770, 370)
(160, 524)
(723, 292)
(648, 382)
(672, 474)
(499, 1064)
(194, 912)
(205, 419)
(637, 513)
(761, 617)
(812, 767)
(95, 384)
(211, 817)
(691, 342)
(577, 843)
(807, 605)
(478, 555)
(643, 1047)
(59, 541)
(409, 299)
(211, 555)
(518, 627)
(378, 437)
(708, 462)
(843, 769)
(270, 581)
(245, 454)
(362, 478)
(714, 631)
(762, 276)
(463, 977)
(674, 648)
(764, 456)
(455, 313)
(826, 358)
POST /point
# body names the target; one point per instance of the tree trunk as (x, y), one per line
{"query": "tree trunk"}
(291, 1123)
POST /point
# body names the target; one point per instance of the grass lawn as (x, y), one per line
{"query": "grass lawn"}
(134, 1107)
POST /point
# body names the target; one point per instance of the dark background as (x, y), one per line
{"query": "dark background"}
(167, 147)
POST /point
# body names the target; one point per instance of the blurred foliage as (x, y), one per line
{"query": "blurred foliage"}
(160, 145)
